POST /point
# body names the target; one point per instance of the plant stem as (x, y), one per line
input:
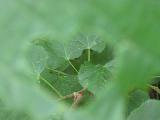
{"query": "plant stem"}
(89, 55)
(73, 66)
(57, 71)
(51, 86)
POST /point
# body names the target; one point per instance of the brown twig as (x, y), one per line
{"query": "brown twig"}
(73, 94)
(77, 99)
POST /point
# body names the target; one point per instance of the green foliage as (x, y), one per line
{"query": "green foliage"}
(136, 98)
(93, 76)
(43, 78)
(148, 111)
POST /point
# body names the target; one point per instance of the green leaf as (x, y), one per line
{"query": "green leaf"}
(54, 60)
(148, 111)
(134, 67)
(63, 49)
(93, 76)
(109, 105)
(91, 42)
(136, 98)
(38, 58)
(9, 114)
(65, 84)
(132, 21)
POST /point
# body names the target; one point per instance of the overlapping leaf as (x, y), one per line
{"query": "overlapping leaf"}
(65, 84)
(93, 76)
(73, 48)
(38, 58)
(136, 98)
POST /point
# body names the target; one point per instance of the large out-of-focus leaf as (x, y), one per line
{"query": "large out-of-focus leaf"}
(110, 105)
(10, 114)
(148, 111)
(25, 97)
(134, 67)
(137, 21)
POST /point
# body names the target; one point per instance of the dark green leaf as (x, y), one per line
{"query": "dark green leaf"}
(65, 84)
(136, 98)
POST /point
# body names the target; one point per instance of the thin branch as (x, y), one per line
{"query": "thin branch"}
(72, 95)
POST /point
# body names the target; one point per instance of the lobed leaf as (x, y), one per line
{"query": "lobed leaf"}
(93, 76)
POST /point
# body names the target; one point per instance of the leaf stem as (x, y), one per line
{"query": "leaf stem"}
(57, 71)
(51, 86)
(89, 55)
(73, 66)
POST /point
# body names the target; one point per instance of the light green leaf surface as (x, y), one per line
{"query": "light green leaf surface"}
(63, 49)
(37, 57)
(136, 21)
(148, 111)
(121, 21)
(134, 67)
(91, 42)
(25, 97)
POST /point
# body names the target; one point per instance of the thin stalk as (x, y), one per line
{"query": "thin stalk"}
(51, 86)
(73, 66)
(57, 71)
(89, 55)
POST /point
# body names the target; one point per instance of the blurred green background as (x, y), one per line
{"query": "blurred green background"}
(131, 24)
